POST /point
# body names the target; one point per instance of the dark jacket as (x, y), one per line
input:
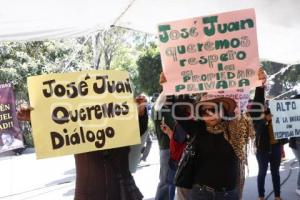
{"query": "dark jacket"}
(215, 163)
(262, 141)
(97, 172)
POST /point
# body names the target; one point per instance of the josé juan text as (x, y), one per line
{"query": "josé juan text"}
(73, 89)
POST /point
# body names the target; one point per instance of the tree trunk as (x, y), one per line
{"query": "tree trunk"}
(96, 51)
(108, 58)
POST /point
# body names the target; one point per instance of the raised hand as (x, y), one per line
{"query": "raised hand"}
(262, 75)
(162, 78)
(23, 113)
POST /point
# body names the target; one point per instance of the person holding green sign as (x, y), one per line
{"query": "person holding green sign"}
(219, 141)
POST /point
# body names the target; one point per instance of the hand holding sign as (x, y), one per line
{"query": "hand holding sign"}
(162, 78)
(166, 129)
(262, 75)
(23, 113)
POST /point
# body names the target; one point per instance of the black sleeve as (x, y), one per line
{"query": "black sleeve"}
(180, 134)
(259, 98)
(191, 126)
(143, 122)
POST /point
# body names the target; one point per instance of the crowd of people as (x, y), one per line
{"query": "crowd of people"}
(220, 139)
(203, 149)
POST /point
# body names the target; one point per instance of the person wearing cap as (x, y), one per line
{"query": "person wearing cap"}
(220, 149)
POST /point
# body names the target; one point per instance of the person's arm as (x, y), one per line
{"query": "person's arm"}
(23, 114)
(257, 107)
(167, 130)
(259, 96)
(143, 122)
(190, 126)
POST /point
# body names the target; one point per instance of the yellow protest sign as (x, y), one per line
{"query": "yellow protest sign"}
(81, 112)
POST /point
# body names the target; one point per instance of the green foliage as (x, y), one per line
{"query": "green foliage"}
(292, 76)
(125, 58)
(149, 69)
(284, 81)
(115, 48)
(106, 44)
(19, 60)
(126, 61)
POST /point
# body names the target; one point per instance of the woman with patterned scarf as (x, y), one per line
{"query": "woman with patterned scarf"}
(221, 150)
(220, 145)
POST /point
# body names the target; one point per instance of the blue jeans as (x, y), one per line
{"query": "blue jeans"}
(264, 158)
(162, 192)
(202, 194)
(172, 189)
(297, 154)
(170, 178)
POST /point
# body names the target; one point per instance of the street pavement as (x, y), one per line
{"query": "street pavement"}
(23, 177)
